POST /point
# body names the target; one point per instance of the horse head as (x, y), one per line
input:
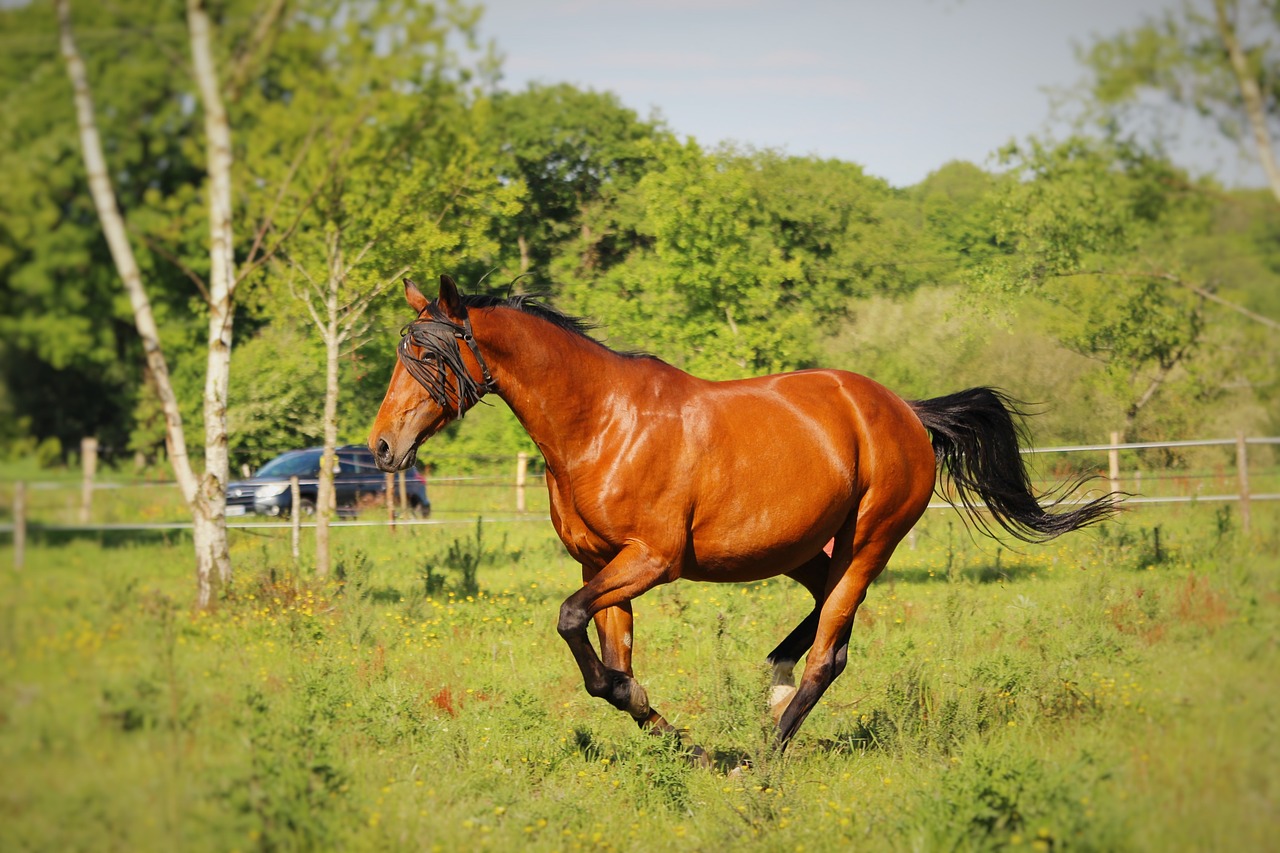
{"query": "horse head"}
(432, 384)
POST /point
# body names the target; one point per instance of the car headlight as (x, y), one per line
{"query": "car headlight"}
(271, 491)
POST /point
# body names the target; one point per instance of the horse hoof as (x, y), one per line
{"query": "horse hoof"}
(699, 756)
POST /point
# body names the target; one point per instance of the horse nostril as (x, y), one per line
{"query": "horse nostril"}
(384, 451)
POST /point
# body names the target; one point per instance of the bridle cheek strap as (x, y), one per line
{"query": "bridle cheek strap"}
(437, 340)
(470, 340)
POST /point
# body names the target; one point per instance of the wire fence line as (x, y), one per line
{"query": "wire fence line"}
(497, 460)
(506, 490)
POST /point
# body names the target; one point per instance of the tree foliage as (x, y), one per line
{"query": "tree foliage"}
(1089, 272)
(1103, 235)
(577, 154)
(1219, 59)
(744, 259)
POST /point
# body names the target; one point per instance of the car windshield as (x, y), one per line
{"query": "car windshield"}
(303, 464)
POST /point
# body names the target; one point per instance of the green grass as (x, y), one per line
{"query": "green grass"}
(1090, 694)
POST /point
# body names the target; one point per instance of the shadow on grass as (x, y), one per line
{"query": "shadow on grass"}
(60, 538)
(385, 595)
(681, 748)
(989, 572)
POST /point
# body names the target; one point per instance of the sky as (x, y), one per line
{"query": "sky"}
(900, 87)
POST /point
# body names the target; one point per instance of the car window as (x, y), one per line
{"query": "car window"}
(292, 465)
(358, 464)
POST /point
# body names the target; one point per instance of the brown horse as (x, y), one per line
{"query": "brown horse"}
(656, 475)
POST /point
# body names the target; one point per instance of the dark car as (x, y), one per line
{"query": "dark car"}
(357, 480)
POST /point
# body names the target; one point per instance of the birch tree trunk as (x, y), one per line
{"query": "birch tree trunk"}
(113, 228)
(211, 507)
(325, 497)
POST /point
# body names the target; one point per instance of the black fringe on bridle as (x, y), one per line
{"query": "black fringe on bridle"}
(437, 340)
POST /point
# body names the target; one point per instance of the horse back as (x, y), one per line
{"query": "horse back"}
(749, 477)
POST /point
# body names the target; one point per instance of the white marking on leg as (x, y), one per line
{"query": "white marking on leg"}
(626, 639)
(783, 687)
(779, 699)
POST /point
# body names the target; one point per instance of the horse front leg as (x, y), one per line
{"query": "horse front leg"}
(605, 597)
(615, 627)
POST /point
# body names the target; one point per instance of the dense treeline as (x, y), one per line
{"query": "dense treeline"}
(1088, 273)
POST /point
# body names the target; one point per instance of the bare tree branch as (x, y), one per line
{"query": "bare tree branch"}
(252, 261)
(1157, 381)
(1194, 288)
(303, 296)
(155, 246)
(264, 33)
(335, 161)
(354, 310)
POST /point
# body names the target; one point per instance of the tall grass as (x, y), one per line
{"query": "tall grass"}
(1095, 693)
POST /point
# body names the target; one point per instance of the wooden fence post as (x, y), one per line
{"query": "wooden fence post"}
(404, 494)
(390, 490)
(89, 465)
(1113, 462)
(295, 498)
(522, 470)
(19, 525)
(1242, 472)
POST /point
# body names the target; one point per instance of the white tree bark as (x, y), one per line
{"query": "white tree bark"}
(212, 506)
(339, 318)
(328, 325)
(1251, 95)
(113, 229)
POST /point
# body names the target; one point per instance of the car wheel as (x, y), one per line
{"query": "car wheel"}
(417, 510)
(308, 508)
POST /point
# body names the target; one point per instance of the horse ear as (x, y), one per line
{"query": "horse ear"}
(416, 300)
(450, 300)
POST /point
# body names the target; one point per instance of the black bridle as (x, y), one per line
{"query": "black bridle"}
(436, 338)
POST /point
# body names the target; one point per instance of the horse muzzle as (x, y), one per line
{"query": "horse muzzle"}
(388, 456)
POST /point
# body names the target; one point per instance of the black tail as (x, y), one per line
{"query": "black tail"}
(975, 436)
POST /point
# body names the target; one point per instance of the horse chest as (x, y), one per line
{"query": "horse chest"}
(580, 536)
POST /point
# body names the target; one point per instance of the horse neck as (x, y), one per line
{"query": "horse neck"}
(555, 381)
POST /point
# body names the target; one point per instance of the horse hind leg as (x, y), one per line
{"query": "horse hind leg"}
(783, 659)
(829, 653)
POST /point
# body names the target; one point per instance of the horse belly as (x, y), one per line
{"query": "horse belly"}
(774, 509)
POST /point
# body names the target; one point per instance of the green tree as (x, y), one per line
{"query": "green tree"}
(277, 392)
(399, 182)
(746, 259)
(578, 154)
(1219, 58)
(1099, 234)
(66, 325)
(949, 214)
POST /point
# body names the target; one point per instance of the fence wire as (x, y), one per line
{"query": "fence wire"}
(493, 495)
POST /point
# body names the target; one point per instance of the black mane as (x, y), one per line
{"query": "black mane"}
(535, 306)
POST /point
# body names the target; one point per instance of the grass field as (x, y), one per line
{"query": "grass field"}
(1097, 693)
